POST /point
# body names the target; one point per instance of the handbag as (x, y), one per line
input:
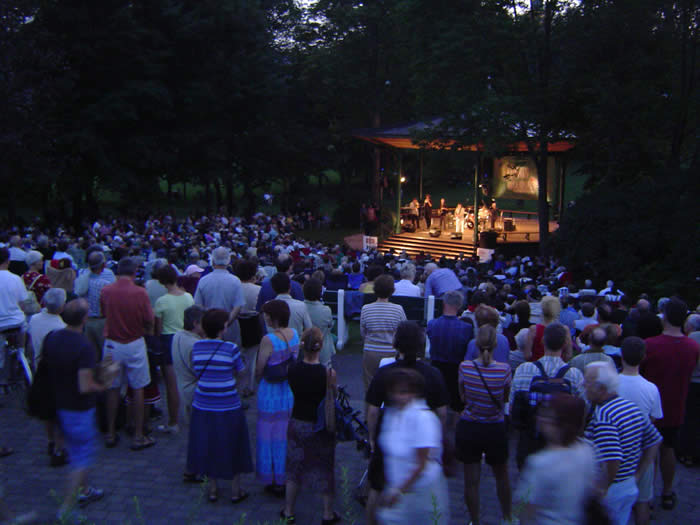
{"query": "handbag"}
(280, 371)
(31, 305)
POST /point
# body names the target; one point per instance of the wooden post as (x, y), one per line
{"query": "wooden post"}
(476, 206)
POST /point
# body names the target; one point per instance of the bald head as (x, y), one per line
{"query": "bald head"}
(430, 268)
(692, 324)
(75, 312)
(643, 306)
(598, 337)
(15, 241)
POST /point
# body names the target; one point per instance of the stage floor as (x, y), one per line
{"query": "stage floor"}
(526, 230)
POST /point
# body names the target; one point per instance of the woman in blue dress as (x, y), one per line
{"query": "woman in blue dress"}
(218, 446)
(278, 349)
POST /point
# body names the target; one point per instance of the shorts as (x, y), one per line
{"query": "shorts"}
(133, 359)
(474, 439)
(646, 485)
(79, 427)
(670, 435)
(166, 349)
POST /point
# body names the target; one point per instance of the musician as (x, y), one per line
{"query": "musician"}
(494, 214)
(428, 211)
(443, 213)
(459, 218)
(413, 212)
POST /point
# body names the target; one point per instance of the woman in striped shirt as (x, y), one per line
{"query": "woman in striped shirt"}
(483, 386)
(218, 446)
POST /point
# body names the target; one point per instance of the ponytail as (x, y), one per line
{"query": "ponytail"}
(311, 341)
(486, 340)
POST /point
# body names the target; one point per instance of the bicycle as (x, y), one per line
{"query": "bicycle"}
(15, 371)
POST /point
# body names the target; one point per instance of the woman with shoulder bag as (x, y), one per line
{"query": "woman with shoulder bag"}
(278, 350)
(483, 386)
(310, 452)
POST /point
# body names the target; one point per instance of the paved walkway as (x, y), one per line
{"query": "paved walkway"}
(146, 488)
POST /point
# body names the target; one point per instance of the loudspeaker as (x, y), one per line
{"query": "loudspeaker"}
(435, 232)
(456, 235)
(408, 227)
(508, 225)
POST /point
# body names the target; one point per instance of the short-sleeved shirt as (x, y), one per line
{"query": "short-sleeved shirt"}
(669, 364)
(527, 371)
(449, 337)
(378, 323)
(501, 353)
(171, 309)
(478, 405)
(216, 389)
(308, 384)
(12, 292)
(581, 361)
(127, 310)
(66, 352)
(435, 390)
(642, 393)
(90, 285)
(219, 289)
(441, 281)
(37, 283)
(42, 324)
(620, 432)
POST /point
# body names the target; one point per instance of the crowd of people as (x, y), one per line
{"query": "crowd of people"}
(218, 310)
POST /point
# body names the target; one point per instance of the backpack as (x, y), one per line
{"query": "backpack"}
(542, 388)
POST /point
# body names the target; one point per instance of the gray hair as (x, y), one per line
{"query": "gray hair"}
(33, 257)
(220, 256)
(661, 304)
(408, 271)
(193, 314)
(606, 375)
(521, 338)
(430, 267)
(54, 300)
(454, 298)
(693, 321)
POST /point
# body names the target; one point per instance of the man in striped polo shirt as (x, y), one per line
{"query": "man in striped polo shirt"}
(625, 439)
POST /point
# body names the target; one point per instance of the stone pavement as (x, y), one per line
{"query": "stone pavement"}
(145, 487)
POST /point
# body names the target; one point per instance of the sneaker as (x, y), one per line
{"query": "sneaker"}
(59, 458)
(168, 429)
(89, 495)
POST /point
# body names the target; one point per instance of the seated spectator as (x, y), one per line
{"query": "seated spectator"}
(336, 280)
(405, 286)
(356, 278)
(372, 273)
(587, 317)
(551, 308)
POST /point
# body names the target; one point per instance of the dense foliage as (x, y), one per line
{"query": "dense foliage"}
(118, 96)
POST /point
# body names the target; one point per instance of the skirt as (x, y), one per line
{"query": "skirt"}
(219, 446)
(275, 402)
(310, 457)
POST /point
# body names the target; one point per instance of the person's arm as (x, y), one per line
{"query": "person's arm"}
(648, 456)
(529, 342)
(87, 383)
(263, 355)
(460, 389)
(609, 469)
(158, 326)
(396, 493)
(82, 283)
(233, 315)
(372, 420)
(568, 351)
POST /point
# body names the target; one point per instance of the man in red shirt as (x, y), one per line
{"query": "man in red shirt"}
(669, 363)
(128, 317)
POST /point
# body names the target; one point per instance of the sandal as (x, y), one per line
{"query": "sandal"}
(668, 501)
(334, 519)
(5, 451)
(213, 497)
(111, 442)
(287, 519)
(242, 495)
(146, 442)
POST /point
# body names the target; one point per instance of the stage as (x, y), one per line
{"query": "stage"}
(525, 232)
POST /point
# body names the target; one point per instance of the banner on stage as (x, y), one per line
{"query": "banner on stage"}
(369, 243)
(484, 254)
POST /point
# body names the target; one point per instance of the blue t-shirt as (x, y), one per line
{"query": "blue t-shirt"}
(449, 337)
(216, 389)
(65, 353)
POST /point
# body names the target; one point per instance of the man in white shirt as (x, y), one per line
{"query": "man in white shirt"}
(299, 318)
(12, 293)
(18, 257)
(645, 395)
(48, 319)
(405, 286)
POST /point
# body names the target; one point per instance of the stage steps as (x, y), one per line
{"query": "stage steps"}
(435, 246)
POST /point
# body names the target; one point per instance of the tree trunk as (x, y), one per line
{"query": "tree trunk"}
(229, 195)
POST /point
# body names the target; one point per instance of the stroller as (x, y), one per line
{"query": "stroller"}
(354, 429)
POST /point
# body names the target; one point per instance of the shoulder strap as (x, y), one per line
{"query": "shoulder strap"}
(34, 281)
(562, 371)
(540, 367)
(498, 404)
(209, 361)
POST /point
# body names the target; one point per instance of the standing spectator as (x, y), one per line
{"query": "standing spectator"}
(218, 445)
(71, 363)
(18, 257)
(183, 341)
(411, 440)
(129, 317)
(587, 317)
(568, 315)
(249, 320)
(550, 366)
(299, 319)
(47, 320)
(405, 286)
(689, 441)
(310, 452)
(321, 317)
(409, 342)
(373, 271)
(283, 264)
(626, 442)
(551, 308)
(220, 289)
(169, 316)
(190, 279)
(484, 386)
(449, 337)
(595, 351)
(275, 400)
(669, 364)
(645, 395)
(556, 482)
(378, 322)
(33, 279)
(488, 316)
(12, 294)
(89, 285)
(439, 281)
